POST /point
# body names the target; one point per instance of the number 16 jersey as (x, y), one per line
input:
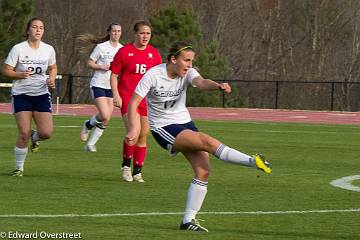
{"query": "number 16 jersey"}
(131, 64)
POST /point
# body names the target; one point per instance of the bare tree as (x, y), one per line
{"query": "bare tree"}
(285, 40)
(67, 19)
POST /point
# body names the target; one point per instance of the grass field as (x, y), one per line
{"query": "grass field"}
(62, 179)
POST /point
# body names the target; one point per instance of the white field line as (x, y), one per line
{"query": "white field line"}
(176, 213)
(345, 183)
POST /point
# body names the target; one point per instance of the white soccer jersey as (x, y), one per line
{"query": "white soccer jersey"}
(103, 53)
(23, 57)
(165, 97)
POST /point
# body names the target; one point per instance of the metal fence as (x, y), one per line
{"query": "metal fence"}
(308, 95)
(305, 95)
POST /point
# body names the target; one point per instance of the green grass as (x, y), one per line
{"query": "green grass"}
(63, 179)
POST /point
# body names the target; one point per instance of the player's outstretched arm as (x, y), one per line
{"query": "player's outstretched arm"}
(209, 85)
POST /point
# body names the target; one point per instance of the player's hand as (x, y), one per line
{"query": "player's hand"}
(105, 67)
(130, 137)
(50, 83)
(225, 87)
(25, 74)
(117, 101)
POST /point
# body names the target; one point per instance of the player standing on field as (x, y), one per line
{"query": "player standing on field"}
(164, 87)
(27, 64)
(100, 88)
(129, 65)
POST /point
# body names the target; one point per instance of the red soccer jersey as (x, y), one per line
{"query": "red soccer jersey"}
(131, 64)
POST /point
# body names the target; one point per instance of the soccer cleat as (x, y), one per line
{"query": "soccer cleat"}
(261, 164)
(90, 148)
(194, 225)
(17, 173)
(84, 135)
(126, 174)
(138, 178)
(34, 144)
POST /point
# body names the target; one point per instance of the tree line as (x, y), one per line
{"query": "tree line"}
(254, 40)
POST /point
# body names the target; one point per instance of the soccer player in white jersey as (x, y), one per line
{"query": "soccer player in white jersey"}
(27, 64)
(165, 88)
(100, 58)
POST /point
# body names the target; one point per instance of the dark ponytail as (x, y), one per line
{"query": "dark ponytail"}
(91, 41)
(177, 47)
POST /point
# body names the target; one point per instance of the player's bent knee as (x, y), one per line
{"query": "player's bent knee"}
(206, 142)
(106, 120)
(45, 135)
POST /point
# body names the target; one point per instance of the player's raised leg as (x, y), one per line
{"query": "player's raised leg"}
(189, 140)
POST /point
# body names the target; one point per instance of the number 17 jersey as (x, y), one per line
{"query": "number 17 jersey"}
(131, 64)
(165, 97)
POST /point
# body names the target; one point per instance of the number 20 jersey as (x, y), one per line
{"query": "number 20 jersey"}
(22, 57)
(131, 64)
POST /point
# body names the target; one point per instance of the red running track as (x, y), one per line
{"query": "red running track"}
(230, 114)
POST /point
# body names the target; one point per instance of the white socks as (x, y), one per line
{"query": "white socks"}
(95, 135)
(98, 131)
(233, 156)
(20, 156)
(196, 195)
(197, 190)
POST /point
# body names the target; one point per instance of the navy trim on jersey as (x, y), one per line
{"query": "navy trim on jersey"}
(165, 136)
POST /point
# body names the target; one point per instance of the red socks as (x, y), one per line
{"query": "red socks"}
(139, 156)
(135, 152)
(128, 151)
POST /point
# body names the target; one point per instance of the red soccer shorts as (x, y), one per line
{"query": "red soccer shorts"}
(142, 108)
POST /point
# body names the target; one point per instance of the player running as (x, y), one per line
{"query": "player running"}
(100, 88)
(27, 64)
(164, 87)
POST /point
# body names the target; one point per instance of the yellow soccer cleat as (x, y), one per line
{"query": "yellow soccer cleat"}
(262, 164)
(17, 173)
